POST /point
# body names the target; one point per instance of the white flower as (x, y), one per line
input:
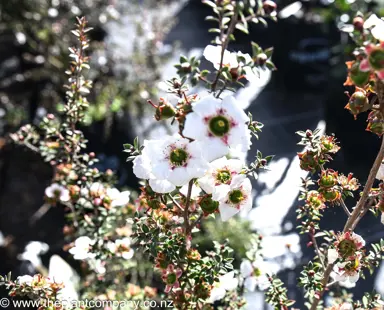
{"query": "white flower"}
(97, 189)
(377, 26)
(123, 248)
(220, 125)
(227, 282)
(176, 160)
(119, 199)
(25, 280)
(142, 168)
(380, 173)
(234, 197)
(221, 172)
(254, 275)
(347, 273)
(213, 54)
(333, 255)
(97, 265)
(57, 192)
(82, 247)
(382, 218)
(33, 251)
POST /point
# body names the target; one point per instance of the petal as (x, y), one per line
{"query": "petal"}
(371, 21)
(239, 138)
(207, 183)
(332, 256)
(250, 284)
(220, 192)
(233, 109)
(364, 65)
(382, 218)
(227, 211)
(161, 170)
(179, 176)
(141, 167)
(214, 148)
(161, 186)
(246, 268)
(217, 293)
(207, 106)
(235, 165)
(197, 167)
(194, 127)
(354, 278)
(212, 53)
(378, 31)
(380, 173)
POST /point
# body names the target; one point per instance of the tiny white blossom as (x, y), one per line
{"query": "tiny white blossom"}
(119, 199)
(220, 126)
(234, 197)
(82, 247)
(382, 218)
(347, 273)
(254, 274)
(123, 248)
(175, 160)
(377, 26)
(97, 265)
(221, 171)
(25, 280)
(227, 282)
(57, 192)
(213, 54)
(142, 168)
(97, 189)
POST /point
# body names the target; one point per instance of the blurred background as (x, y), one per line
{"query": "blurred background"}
(134, 45)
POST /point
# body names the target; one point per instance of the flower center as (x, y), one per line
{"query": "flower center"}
(57, 193)
(219, 125)
(347, 248)
(171, 278)
(236, 196)
(257, 272)
(223, 176)
(178, 157)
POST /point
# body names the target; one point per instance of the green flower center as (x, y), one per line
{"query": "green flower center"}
(257, 272)
(347, 248)
(219, 125)
(57, 193)
(208, 204)
(236, 196)
(178, 157)
(223, 176)
(171, 278)
(376, 59)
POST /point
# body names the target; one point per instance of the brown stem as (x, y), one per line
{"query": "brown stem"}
(319, 254)
(224, 46)
(186, 209)
(356, 215)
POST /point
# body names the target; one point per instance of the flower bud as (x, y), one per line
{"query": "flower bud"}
(358, 102)
(208, 204)
(331, 194)
(358, 23)
(328, 178)
(261, 59)
(356, 76)
(164, 110)
(269, 7)
(309, 161)
(97, 201)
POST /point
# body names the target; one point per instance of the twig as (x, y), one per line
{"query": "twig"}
(186, 209)
(317, 250)
(176, 203)
(355, 216)
(224, 46)
(345, 207)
